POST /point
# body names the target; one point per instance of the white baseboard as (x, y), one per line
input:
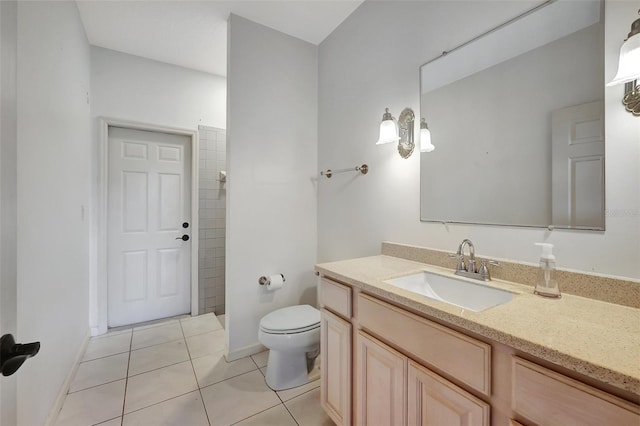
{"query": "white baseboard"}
(57, 406)
(96, 331)
(244, 352)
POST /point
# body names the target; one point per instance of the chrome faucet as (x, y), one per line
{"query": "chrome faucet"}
(469, 269)
(471, 266)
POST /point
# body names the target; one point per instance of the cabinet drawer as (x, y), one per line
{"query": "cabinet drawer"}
(463, 358)
(548, 398)
(336, 297)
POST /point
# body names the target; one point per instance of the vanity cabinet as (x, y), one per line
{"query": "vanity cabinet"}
(336, 357)
(395, 388)
(395, 367)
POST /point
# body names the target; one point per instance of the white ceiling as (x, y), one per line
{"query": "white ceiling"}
(193, 34)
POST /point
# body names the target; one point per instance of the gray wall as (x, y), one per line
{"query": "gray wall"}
(53, 171)
(272, 174)
(8, 195)
(371, 62)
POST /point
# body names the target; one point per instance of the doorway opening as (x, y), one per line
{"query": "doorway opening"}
(148, 240)
(213, 195)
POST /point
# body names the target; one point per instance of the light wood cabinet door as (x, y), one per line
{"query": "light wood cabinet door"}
(335, 367)
(381, 383)
(434, 401)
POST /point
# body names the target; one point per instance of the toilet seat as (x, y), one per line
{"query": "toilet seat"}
(291, 320)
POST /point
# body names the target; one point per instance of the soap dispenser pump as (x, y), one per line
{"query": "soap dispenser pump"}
(547, 284)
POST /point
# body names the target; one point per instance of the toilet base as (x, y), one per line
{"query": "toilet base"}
(286, 370)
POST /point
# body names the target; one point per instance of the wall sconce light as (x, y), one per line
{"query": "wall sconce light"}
(388, 129)
(629, 69)
(402, 132)
(425, 137)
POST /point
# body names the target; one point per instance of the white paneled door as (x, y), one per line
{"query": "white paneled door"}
(149, 205)
(578, 166)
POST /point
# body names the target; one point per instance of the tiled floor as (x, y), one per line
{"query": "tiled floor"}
(175, 373)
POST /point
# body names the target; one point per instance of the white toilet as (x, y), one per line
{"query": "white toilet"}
(293, 336)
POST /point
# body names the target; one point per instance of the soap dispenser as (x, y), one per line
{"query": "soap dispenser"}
(547, 284)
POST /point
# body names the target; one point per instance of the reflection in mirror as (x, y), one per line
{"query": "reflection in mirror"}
(517, 116)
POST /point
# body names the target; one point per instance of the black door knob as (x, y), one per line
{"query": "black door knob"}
(185, 225)
(13, 355)
(183, 238)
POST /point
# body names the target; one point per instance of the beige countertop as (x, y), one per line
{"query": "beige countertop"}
(598, 339)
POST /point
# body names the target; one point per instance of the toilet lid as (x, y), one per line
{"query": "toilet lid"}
(293, 318)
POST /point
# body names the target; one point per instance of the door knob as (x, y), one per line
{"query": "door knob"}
(185, 225)
(183, 238)
(13, 355)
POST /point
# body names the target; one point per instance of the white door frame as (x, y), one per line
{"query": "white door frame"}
(99, 301)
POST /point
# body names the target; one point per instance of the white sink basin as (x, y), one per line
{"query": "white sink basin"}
(468, 295)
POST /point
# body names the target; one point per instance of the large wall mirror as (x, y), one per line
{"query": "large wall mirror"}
(517, 119)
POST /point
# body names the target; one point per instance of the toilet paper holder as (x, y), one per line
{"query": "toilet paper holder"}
(264, 280)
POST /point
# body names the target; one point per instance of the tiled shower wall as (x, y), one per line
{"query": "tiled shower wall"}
(213, 157)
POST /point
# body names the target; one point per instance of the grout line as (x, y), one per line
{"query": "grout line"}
(158, 344)
(260, 412)
(126, 383)
(201, 333)
(97, 424)
(102, 357)
(159, 368)
(254, 361)
(291, 399)
(161, 402)
(94, 386)
(303, 393)
(227, 378)
(206, 413)
(290, 413)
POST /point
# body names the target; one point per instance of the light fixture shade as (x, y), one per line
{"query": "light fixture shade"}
(388, 129)
(629, 63)
(425, 141)
(425, 137)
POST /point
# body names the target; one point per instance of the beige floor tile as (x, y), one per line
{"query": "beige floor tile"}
(113, 422)
(288, 394)
(212, 369)
(261, 358)
(155, 323)
(276, 416)
(106, 346)
(159, 385)
(238, 398)
(92, 406)
(201, 324)
(156, 335)
(100, 371)
(153, 357)
(206, 344)
(307, 411)
(185, 410)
